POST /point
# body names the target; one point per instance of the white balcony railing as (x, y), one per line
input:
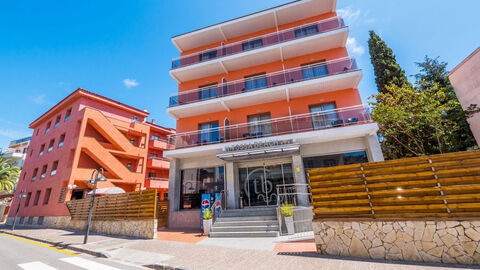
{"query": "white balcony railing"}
(283, 77)
(293, 33)
(273, 127)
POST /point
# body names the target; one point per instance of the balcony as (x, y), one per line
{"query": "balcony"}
(318, 36)
(158, 163)
(158, 183)
(160, 144)
(14, 154)
(282, 85)
(274, 127)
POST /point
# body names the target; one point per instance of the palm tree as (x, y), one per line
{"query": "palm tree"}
(8, 174)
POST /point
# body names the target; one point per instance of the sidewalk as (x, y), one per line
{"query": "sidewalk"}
(209, 253)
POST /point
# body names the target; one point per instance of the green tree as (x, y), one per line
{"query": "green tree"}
(8, 174)
(387, 70)
(433, 71)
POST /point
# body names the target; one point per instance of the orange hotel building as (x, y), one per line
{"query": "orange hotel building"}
(83, 132)
(261, 99)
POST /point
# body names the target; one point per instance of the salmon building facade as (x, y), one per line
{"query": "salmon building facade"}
(261, 99)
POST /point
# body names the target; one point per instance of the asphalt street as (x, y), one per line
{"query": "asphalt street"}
(19, 253)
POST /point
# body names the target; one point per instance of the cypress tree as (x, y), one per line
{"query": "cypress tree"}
(387, 70)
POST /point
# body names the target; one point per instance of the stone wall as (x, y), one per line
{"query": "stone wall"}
(421, 241)
(134, 228)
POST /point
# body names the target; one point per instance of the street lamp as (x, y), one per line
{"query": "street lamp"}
(20, 197)
(97, 175)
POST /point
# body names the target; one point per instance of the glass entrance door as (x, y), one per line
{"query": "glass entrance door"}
(258, 185)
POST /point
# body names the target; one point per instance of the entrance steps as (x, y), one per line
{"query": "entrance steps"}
(249, 222)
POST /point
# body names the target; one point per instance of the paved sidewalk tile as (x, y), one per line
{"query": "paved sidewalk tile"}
(202, 254)
(184, 236)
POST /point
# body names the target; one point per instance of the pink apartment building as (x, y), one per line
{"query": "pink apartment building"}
(83, 132)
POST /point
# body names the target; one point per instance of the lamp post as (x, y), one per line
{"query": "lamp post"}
(20, 197)
(97, 175)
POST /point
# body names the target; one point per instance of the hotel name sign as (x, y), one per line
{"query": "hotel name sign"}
(257, 145)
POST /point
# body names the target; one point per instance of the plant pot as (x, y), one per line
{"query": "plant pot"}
(207, 226)
(289, 224)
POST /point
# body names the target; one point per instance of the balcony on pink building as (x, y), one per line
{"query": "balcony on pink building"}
(253, 43)
(273, 127)
(158, 162)
(157, 183)
(274, 79)
(160, 144)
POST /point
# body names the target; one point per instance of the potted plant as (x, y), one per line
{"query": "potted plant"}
(287, 212)
(207, 221)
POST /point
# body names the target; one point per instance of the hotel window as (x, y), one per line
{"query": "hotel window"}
(306, 31)
(48, 127)
(50, 146)
(259, 125)
(46, 199)
(195, 182)
(151, 175)
(57, 122)
(67, 116)
(257, 81)
(31, 152)
(37, 197)
(252, 44)
(27, 200)
(34, 175)
(154, 138)
(132, 141)
(130, 166)
(54, 168)
(209, 132)
(42, 148)
(334, 160)
(324, 115)
(208, 91)
(134, 119)
(314, 70)
(208, 55)
(61, 141)
(38, 130)
(44, 172)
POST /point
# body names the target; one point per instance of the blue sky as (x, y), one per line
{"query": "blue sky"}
(122, 49)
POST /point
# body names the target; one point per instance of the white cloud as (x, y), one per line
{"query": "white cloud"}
(39, 99)
(11, 134)
(355, 48)
(349, 14)
(129, 83)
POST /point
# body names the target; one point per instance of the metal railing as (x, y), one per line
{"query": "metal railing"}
(293, 33)
(290, 193)
(283, 77)
(157, 178)
(273, 127)
(158, 158)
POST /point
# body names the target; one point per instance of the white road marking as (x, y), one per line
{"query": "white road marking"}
(36, 266)
(87, 264)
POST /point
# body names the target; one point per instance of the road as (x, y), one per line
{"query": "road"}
(19, 253)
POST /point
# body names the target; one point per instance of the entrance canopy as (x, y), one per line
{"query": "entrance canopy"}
(259, 150)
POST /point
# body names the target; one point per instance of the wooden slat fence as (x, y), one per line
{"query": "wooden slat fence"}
(134, 205)
(162, 213)
(437, 186)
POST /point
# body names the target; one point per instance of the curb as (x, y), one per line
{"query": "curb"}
(163, 267)
(60, 244)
